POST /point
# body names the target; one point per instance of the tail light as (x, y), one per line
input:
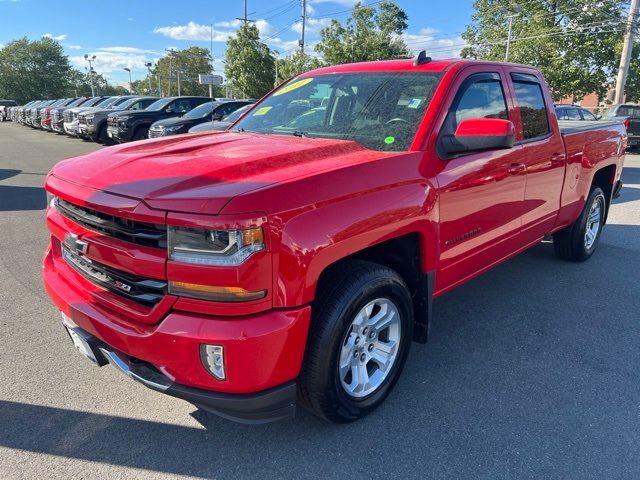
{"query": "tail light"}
(627, 122)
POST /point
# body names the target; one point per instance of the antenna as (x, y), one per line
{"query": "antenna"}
(421, 58)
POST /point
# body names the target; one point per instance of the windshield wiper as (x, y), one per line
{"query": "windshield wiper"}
(299, 133)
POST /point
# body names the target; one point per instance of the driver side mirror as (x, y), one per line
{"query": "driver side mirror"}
(216, 117)
(478, 134)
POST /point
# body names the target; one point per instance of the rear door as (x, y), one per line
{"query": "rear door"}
(480, 193)
(542, 152)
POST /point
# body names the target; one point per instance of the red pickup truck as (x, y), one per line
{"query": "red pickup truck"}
(295, 257)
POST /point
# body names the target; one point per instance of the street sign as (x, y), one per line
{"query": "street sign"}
(209, 79)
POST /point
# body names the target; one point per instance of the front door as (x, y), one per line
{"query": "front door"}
(481, 193)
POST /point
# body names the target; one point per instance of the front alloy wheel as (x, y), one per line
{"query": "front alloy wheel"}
(370, 348)
(359, 338)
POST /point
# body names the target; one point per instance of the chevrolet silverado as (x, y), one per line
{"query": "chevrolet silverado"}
(270, 265)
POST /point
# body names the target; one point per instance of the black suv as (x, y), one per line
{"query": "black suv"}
(207, 112)
(93, 123)
(127, 126)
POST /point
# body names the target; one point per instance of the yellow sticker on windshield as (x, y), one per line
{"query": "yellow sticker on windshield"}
(262, 111)
(293, 86)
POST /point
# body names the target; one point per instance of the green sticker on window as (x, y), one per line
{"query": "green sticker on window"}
(389, 140)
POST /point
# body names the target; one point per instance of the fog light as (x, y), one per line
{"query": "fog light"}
(213, 360)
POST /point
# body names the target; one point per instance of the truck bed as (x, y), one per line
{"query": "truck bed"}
(568, 127)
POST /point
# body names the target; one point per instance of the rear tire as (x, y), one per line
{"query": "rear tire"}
(579, 240)
(141, 133)
(361, 331)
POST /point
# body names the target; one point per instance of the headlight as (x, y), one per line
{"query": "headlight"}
(171, 129)
(223, 248)
(89, 119)
(51, 200)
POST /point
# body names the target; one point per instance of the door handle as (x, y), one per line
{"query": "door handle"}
(516, 168)
(557, 158)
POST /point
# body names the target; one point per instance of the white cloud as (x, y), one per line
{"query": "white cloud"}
(314, 25)
(198, 32)
(193, 31)
(74, 47)
(114, 59)
(126, 50)
(131, 19)
(427, 38)
(56, 37)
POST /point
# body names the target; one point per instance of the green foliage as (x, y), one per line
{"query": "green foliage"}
(250, 66)
(369, 34)
(296, 64)
(575, 43)
(33, 69)
(190, 62)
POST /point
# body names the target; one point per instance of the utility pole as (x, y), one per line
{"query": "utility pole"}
(304, 22)
(170, 68)
(510, 17)
(627, 48)
(276, 54)
(245, 16)
(179, 82)
(211, 55)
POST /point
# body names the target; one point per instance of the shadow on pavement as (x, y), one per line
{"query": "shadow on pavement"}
(14, 198)
(8, 173)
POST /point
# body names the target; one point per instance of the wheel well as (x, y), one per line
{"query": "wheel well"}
(603, 178)
(402, 254)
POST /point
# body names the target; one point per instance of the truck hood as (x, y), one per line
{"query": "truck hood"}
(201, 173)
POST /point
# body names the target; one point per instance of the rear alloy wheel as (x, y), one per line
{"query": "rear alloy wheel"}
(103, 137)
(360, 334)
(579, 240)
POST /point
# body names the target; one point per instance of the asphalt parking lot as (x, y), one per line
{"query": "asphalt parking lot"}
(531, 372)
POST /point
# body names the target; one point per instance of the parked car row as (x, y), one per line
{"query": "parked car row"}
(119, 119)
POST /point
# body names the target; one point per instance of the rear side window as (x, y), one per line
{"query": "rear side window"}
(481, 96)
(573, 114)
(533, 111)
(587, 115)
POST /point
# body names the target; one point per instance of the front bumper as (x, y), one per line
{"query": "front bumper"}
(118, 135)
(86, 130)
(71, 128)
(263, 352)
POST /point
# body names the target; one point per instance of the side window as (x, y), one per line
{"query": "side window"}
(226, 109)
(573, 114)
(561, 113)
(587, 115)
(482, 96)
(181, 106)
(533, 111)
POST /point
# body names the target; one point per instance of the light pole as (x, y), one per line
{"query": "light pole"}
(148, 65)
(90, 59)
(276, 54)
(130, 85)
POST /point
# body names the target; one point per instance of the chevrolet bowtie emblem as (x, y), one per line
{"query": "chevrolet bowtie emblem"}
(74, 244)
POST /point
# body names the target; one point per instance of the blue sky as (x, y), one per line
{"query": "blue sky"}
(129, 33)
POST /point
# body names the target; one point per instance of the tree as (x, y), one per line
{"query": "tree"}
(575, 43)
(250, 66)
(369, 34)
(33, 69)
(79, 85)
(190, 63)
(296, 64)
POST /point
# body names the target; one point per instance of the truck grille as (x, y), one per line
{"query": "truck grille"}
(140, 233)
(139, 289)
(155, 132)
(67, 115)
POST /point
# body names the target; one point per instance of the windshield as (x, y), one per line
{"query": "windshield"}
(381, 111)
(628, 111)
(159, 104)
(201, 111)
(107, 102)
(119, 101)
(233, 116)
(127, 103)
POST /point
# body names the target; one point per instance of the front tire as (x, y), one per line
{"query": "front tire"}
(142, 133)
(361, 331)
(579, 240)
